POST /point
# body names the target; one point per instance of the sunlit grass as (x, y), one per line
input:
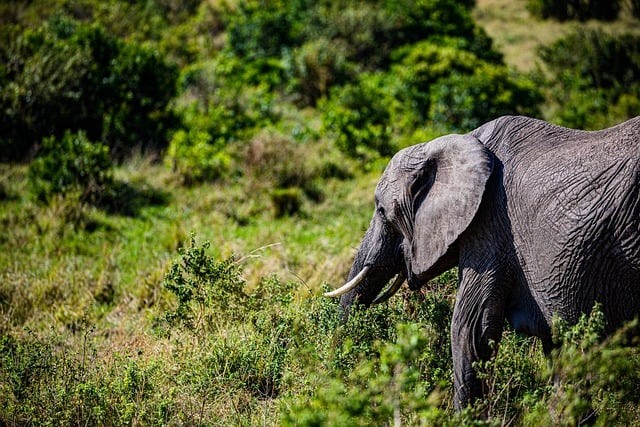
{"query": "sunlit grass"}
(518, 35)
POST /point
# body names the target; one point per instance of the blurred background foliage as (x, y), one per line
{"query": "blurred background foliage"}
(126, 125)
(197, 77)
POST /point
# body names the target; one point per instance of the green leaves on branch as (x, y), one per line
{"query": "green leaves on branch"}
(194, 156)
(432, 83)
(595, 78)
(463, 102)
(207, 292)
(66, 75)
(72, 164)
(596, 378)
(359, 116)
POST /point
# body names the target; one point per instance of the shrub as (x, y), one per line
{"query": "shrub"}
(421, 65)
(208, 292)
(65, 75)
(595, 78)
(72, 164)
(316, 66)
(379, 390)
(258, 29)
(583, 10)
(371, 31)
(359, 116)
(196, 158)
(217, 110)
(463, 102)
(45, 381)
(136, 112)
(327, 43)
(600, 59)
(596, 378)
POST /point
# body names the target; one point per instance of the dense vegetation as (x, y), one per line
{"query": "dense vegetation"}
(180, 179)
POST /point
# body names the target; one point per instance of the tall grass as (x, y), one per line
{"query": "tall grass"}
(134, 322)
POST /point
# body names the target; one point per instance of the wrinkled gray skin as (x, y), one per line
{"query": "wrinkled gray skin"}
(541, 220)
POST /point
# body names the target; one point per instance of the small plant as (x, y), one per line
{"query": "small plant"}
(208, 292)
(196, 158)
(384, 388)
(72, 164)
(590, 378)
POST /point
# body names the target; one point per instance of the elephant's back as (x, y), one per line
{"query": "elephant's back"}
(573, 199)
(519, 138)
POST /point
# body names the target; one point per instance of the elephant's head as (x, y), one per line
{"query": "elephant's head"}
(427, 196)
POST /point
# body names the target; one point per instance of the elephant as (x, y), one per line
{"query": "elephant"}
(541, 221)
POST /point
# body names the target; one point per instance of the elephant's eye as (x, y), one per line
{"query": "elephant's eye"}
(382, 213)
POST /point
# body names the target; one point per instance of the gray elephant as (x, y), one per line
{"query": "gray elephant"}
(541, 220)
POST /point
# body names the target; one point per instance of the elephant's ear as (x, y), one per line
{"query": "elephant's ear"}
(446, 192)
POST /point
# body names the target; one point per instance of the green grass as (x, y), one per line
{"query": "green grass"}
(92, 333)
(64, 246)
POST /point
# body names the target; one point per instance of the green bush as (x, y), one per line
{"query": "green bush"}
(360, 118)
(376, 392)
(243, 336)
(46, 382)
(463, 102)
(208, 292)
(583, 10)
(72, 164)
(601, 60)
(65, 75)
(259, 29)
(323, 44)
(594, 78)
(196, 158)
(432, 83)
(316, 66)
(596, 378)
(217, 110)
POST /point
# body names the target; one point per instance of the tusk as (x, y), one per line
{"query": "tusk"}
(392, 289)
(350, 285)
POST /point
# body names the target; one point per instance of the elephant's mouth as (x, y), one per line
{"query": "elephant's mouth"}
(392, 289)
(360, 277)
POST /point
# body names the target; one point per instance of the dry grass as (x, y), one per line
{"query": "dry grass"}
(518, 35)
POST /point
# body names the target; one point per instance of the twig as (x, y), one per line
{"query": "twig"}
(253, 254)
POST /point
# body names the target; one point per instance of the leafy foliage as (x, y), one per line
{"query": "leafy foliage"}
(195, 158)
(463, 102)
(208, 292)
(457, 90)
(582, 10)
(65, 75)
(596, 377)
(358, 114)
(597, 77)
(72, 164)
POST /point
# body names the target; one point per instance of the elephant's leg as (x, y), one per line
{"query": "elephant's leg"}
(478, 318)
